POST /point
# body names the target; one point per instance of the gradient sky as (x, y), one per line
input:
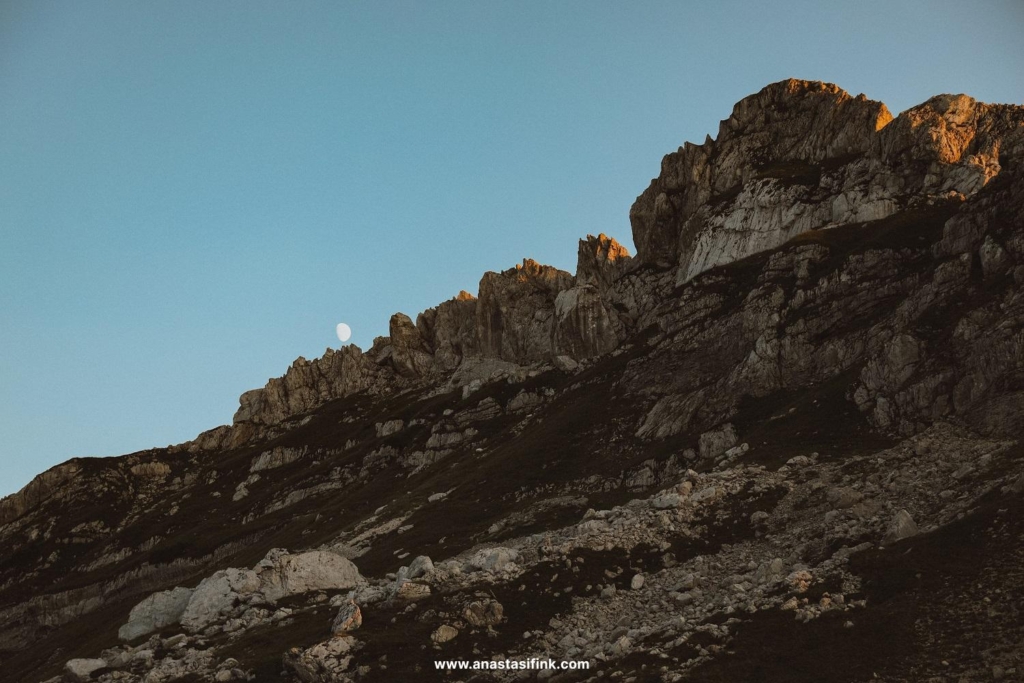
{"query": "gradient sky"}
(192, 194)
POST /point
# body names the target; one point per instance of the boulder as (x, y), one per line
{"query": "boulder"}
(482, 613)
(82, 669)
(443, 634)
(304, 572)
(902, 526)
(421, 566)
(349, 618)
(158, 611)
(717, 441)
(216, 597)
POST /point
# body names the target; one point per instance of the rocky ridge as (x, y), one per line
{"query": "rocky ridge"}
(809, 370)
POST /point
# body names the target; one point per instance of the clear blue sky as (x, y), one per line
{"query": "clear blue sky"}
(192, 194)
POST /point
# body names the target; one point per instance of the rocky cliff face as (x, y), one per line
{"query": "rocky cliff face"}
(800, 402)
(802, 156)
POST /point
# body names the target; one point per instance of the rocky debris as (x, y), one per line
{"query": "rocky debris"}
(151, 470)
(349, 618)
(565, 363)
(717, 441)
(483, 613)
(325, 662)
(407, 590)
(158, 611)
(492, 560)
(388, 428)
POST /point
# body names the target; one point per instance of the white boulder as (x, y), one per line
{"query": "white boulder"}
(217, 596)
(158, 611)
(304, 572)
(492, 559)
(82, 669)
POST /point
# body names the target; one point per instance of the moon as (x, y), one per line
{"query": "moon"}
(344, 332)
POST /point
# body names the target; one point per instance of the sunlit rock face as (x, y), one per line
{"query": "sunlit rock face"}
(601, 261)
(516, 309)
(802, 156)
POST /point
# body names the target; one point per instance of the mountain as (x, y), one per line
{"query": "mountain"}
(780, 443)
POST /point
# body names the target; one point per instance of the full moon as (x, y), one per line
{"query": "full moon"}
(344, 332)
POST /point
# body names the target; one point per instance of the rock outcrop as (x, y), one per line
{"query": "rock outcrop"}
(308, 385)
(158, 611)
(804, 389)
(802, 156)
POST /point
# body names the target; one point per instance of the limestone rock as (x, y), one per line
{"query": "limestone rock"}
(585, 323)
(600, 262)
(409, 353)
(37, 490)
(82, 669)
(421, 566)
(902, 526)
(277, 457)
(409, 590)
(325, 662)
(716, 441)
(450, 330)
(308, 571)
(802, 156)
(308, 385)
(515, 314)
(216, 596)
(158, 611)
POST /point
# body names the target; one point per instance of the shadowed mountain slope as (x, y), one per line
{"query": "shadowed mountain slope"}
(780, 443)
